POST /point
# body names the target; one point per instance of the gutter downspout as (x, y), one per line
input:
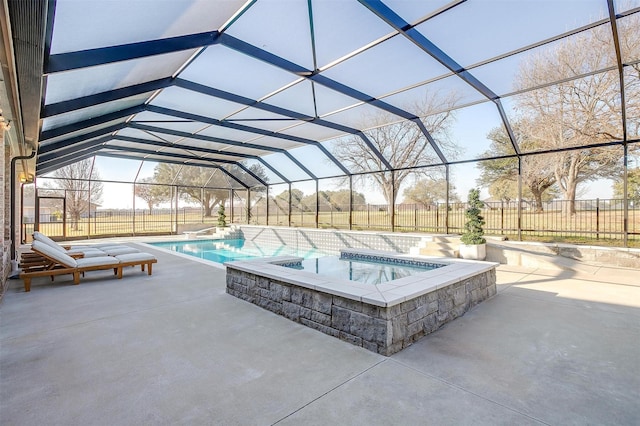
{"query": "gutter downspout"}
(13, 198)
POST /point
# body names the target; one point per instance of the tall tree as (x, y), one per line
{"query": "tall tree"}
(207, 186)
(334, 200)
(578, 111)
(81, 186)
(501, 176)
(339, 200)
(153, 195)
(428, 192)
(633, 186)
(507, 190)
(282, 200)
(503, 190)
(402, 143)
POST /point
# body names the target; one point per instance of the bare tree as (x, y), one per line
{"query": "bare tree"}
(501, 176)
(402, 143)
(81, 186)
(577, 112)
(210, 187)
(282, 200)
(428, 192)
(151, 194)
(198, 183)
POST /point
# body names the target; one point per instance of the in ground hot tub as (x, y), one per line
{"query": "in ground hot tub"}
(417, 296)
(368, 269)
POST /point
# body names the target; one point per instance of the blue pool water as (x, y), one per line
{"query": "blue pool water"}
(361, 270)
(228, 250)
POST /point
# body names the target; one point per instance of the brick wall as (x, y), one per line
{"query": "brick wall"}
(5, 159)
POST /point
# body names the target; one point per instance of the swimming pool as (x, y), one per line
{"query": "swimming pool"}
(364, 270)
(221, 251)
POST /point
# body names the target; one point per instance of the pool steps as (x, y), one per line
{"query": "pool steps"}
(440, 246)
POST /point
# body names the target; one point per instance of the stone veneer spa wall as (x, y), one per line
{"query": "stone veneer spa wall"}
(382, 324)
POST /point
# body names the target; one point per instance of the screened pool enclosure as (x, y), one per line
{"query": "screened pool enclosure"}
(348, 114)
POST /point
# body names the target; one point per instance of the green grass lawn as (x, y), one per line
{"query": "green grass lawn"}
(586, 227)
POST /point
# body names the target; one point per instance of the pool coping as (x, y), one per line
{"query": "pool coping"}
(184, 256)
(383, 295)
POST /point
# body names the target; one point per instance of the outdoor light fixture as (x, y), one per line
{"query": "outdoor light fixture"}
(26, 178)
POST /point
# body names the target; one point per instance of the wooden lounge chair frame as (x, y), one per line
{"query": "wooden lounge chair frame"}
(135, 259)
(61, 264)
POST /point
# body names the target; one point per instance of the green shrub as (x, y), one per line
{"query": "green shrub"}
(222, 218)
(473, 232)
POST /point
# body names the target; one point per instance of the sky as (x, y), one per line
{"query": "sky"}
(118, 195)
(281, 27)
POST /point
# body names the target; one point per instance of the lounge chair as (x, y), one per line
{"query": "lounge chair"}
(111, 249)
(62, 264)
(134, 259)
(82, 251)
(118, 250)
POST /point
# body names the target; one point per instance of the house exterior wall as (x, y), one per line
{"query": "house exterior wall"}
(5, 240)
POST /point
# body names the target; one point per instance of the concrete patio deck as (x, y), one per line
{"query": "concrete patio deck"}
(553, 347)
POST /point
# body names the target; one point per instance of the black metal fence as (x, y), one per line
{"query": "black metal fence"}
(593, 221)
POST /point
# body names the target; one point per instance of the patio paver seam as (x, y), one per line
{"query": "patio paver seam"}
(329, 391)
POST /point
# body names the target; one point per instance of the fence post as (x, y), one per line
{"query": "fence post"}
(597, 218)
(289, 213)
(230, 205)
(350, 202)
(519, 198)
(133, 222)
(446, 209)
(93, 162)
(248, 206)
(625, 195)
(177, 198)
(393, 202)
(415, 218)
(64, 215)
(267, 206)
(317, 203)
(502, 217)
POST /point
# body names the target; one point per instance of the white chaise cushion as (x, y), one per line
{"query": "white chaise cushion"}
(87, 262)
(86, 252)
(39, 236)
(118, 250)
(51, 252)
(135, 257)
